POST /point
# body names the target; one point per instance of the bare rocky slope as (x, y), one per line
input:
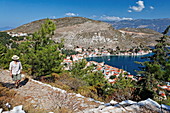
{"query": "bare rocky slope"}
(84, 32)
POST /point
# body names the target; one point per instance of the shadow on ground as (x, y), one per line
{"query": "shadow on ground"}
(24, 82)
(12, 85)
(8, 85)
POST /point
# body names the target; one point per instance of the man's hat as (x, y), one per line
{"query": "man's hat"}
(15, 57)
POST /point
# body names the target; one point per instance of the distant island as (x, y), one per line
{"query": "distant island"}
(158, 25)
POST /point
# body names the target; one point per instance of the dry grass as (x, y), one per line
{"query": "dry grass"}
(31, 108)
(5, 96)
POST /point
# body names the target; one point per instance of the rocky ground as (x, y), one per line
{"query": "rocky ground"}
(43, 96)
(48, 98)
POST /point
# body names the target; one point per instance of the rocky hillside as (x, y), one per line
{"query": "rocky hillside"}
(142, 35)
(79, 31)
(45, 98)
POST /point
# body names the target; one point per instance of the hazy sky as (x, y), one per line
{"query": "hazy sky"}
(17, 12)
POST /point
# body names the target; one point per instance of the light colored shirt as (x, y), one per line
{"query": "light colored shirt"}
(15, 67)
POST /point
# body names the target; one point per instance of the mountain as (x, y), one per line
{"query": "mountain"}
(158, 25)
(6, 28)
(84, 32)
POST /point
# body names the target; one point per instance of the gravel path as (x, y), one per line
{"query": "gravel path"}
(45, 96)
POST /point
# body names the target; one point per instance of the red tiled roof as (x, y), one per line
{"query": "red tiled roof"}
(118, 71)
(112, 82)
(99, 68)
(163, 94)
(107, 73)
(130, 75)
(112, 70)
(115, 68)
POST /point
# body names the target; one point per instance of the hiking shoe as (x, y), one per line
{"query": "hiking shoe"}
(16, 86)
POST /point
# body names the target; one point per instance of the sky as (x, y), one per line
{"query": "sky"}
(14, 13)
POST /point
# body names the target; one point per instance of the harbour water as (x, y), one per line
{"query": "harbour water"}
(123, 62)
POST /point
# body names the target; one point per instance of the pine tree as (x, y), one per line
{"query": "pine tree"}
(43, 36)
(46, 57)
(159, 61)
(156, 69)
(3, 50)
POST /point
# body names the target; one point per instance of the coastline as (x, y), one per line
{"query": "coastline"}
(107, 57)
(118, 55)
(128, 66)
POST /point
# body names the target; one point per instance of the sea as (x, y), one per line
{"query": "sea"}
(122, 62)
